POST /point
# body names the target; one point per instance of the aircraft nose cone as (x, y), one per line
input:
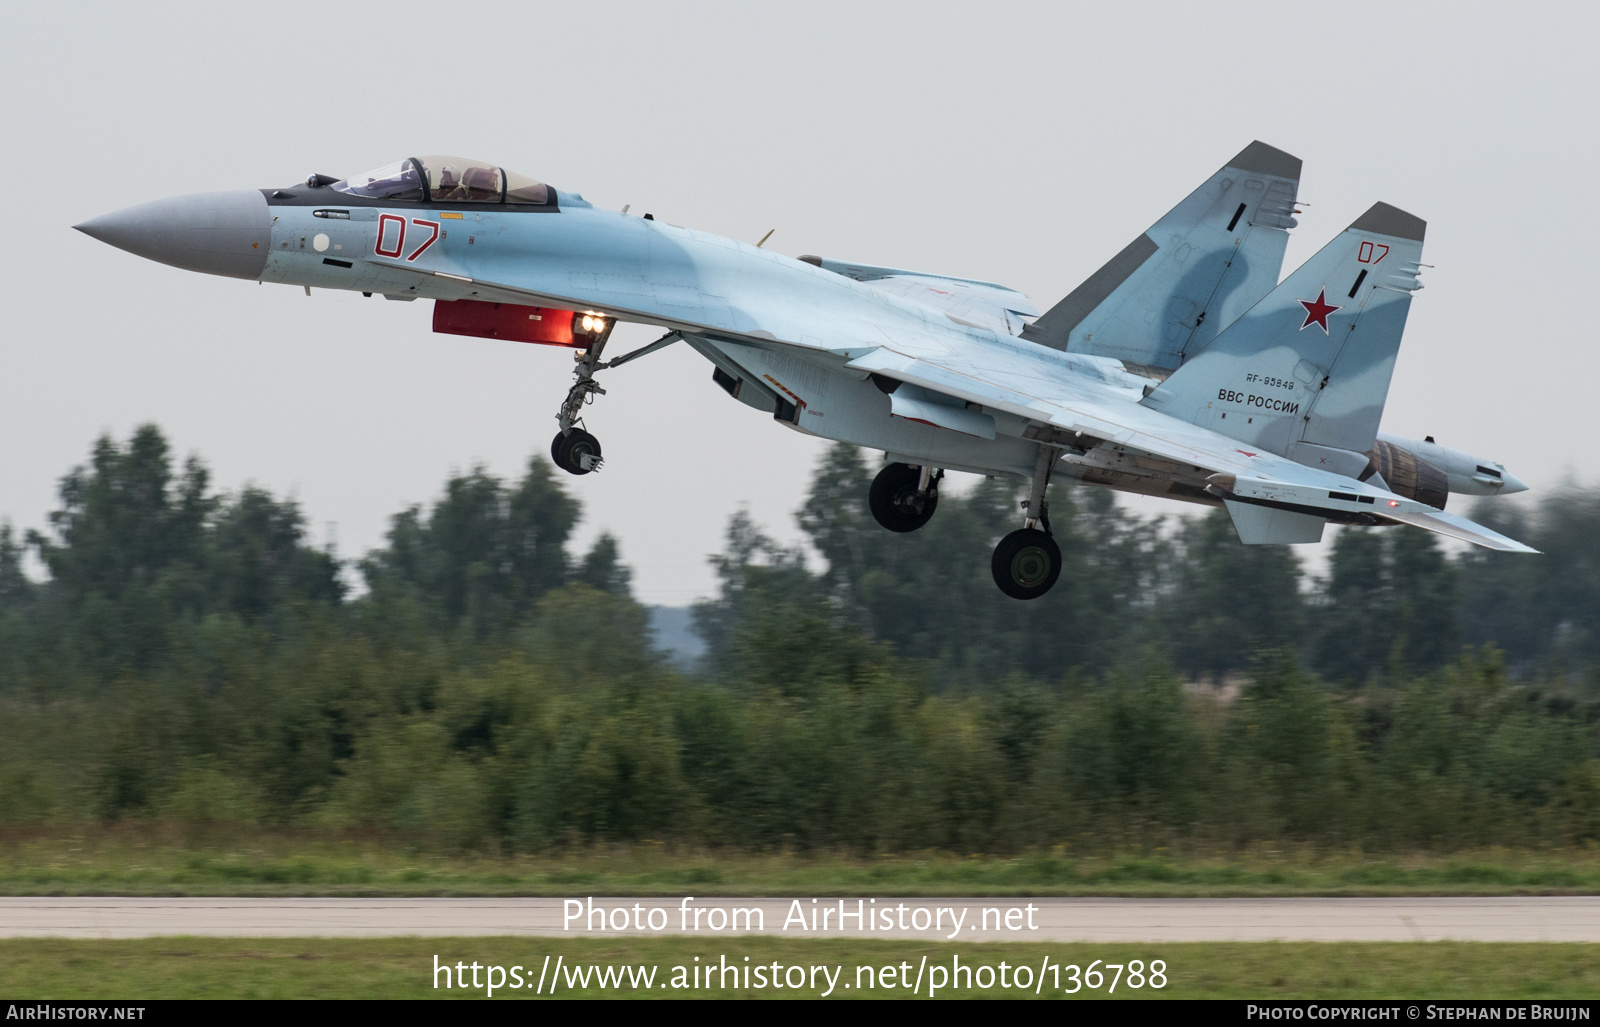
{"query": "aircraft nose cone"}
(1512, 484)
(217, 233)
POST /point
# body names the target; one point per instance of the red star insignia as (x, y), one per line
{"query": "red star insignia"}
(1317, 311)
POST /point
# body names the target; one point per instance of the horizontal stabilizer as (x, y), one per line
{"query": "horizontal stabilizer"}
(1027, 383)
(1350, 496)
(1362, 498)
(1452, 526)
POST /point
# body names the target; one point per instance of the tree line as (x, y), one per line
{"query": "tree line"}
(193, 656)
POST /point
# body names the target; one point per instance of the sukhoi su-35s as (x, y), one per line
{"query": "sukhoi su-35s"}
(1182, 368)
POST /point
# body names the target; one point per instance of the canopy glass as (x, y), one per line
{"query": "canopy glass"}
(446, 180)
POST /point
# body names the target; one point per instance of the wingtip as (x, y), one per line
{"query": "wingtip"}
(1262, 159)
(1385, 219)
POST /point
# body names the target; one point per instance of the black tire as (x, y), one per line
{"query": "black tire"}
(569, 450)
(893, 499)
(1026, 563)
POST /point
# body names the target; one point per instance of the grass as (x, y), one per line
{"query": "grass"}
(401, 968)
(164, 859)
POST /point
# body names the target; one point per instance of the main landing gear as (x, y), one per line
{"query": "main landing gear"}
(904, 497)
(1027, 562)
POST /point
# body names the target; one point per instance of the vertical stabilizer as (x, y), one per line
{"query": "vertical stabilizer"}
(1171, 290)
(1305, 372)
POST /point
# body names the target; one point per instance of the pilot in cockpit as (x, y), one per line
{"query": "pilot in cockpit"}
(470, 184)
(450, 180)
(450, 187)
(481, 184)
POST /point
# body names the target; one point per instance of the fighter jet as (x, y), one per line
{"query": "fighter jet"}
(1182, 368)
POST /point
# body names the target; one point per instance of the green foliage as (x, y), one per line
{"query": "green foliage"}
(484, 554)
(1229, 599)
(1294, 758)
(192, 659)
(256, 561)
(774, 626)
(139, 558)
(603, 568)
(16, 604)
(931, 592)
(15, 589)
(1543, 611)
(1390, 602)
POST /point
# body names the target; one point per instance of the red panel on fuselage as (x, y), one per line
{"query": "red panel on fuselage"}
(541, 325)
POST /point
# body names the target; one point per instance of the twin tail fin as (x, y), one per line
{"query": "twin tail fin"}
(1305, 372)
(1171, 290)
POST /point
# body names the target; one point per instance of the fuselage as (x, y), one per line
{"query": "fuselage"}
(732, 300)
(779, 330)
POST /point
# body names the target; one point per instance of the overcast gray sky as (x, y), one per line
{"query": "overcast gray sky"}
(1021, 143)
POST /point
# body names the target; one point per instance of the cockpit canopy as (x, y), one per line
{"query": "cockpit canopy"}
(446, 180)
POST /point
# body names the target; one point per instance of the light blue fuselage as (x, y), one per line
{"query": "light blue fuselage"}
(728, 297)
(1182, 368)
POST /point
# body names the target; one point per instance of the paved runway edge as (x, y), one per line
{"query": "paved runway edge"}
(1494, 919)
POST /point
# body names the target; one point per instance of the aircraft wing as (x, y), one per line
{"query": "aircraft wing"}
(965, 301)
(1040, 384)
(1030, 386)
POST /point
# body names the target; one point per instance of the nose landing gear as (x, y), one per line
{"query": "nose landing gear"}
(576, 452)
(573, 449)
(1027, 562)
(903, 497)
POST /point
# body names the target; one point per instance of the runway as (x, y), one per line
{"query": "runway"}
(1507, 918)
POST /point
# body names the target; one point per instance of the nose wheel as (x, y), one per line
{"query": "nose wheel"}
(903, 497)
(576, 451)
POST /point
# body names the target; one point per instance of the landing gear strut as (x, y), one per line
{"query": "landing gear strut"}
(573, 449)
(1027, 562)
(904, 497)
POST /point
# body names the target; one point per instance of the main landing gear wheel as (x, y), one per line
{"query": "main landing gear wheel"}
(1026, 563)
(894, 498)
(576, 451)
